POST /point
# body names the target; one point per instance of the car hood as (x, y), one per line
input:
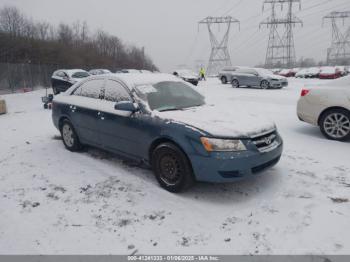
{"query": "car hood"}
(220, 123)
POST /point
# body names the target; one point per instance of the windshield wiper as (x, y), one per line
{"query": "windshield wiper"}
(168, 109)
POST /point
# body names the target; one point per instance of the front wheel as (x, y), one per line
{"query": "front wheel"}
(224, 80)
(264, 84)
(335, 124)
(235, 83)
(70, 137)
(172, 168)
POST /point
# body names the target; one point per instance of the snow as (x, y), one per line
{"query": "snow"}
(56, 202)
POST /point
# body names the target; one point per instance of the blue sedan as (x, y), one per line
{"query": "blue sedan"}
(164, 122)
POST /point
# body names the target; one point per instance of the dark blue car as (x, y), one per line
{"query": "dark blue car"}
(162, 121)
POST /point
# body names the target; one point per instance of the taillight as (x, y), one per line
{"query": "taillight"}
(304, 92)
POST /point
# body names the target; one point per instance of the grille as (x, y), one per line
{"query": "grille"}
(266, 142)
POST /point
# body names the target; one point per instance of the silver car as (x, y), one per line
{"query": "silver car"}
(226, 74)
(257, 77)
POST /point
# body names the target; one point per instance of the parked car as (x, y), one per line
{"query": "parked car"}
(286, 73)
(99, 72)
(226, 74)
(257, 77)
(187, 75)
(129, 71)
(63, 79)
(162, 121)
(330, 72)
(328, 106)
(302, 73)
(313, 72)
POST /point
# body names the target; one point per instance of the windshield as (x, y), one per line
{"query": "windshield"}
(170, 95)
(80, 74)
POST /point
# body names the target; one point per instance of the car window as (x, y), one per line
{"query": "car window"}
(115, 92)
(92, 89)
(80, 74)
(61, 74)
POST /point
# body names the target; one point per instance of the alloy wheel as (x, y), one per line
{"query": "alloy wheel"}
(68, 135)
(337, 125)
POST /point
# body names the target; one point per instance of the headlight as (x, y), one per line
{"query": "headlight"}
(222, 145)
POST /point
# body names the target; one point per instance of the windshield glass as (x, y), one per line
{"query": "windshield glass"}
(263, 71)
(165, 96)
(80, 74)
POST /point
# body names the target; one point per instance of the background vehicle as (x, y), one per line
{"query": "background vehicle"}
(313, 72)
(187, 75)
(161, 120)
(129, 71)
(99, 72)
(63, 79)
(257, 77)
(287, 73)
(330, 72)
(328, 106)
(225, 75)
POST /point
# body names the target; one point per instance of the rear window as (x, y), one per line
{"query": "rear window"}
(80, 74)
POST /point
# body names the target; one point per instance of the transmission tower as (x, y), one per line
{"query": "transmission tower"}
(339, 52)
(220, 56)
(280, 49)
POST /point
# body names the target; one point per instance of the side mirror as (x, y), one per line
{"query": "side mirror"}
(126, 106)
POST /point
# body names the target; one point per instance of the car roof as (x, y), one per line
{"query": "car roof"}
(133, 80)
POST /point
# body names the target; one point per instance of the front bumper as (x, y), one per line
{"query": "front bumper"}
(221, 167)
(278, 84)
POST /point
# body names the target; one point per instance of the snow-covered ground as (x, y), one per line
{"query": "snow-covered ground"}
(56, 202)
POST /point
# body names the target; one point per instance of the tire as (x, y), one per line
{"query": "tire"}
(224, 80)
(172, 168)
(69, 137)
(235, 83)
(335, 124)
(264, 84)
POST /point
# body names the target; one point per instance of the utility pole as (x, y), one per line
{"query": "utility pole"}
(219, 56)
(280, 50)
(339, 52)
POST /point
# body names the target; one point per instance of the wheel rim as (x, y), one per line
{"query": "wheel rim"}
(67, 134)
(170, 169)
(235, 83)
(337, 125)
(264, 85)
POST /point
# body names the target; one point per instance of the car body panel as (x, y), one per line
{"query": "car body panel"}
(319, 99)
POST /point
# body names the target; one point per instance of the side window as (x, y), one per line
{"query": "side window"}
(60, 74)
(115, 92)
(90, 89)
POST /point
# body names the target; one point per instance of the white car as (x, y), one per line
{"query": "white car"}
(328, 106)
(100, 72)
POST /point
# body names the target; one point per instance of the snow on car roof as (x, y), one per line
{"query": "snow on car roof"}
(145, 79)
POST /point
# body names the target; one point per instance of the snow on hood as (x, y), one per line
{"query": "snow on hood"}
(220, 123)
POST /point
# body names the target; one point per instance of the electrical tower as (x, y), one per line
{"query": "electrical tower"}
(280, 49)
(339, 52)
(220, 56)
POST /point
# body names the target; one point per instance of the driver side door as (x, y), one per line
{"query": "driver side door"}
(120, 131)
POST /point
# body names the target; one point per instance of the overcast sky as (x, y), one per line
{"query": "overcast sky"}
(168, 28)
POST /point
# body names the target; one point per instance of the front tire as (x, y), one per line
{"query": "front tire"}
(224, 80)
(335, 124)
(264, 84)
(70, 137)
(172, 168)
(235, 83)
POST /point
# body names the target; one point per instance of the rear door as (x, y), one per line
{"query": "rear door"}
(84, 109)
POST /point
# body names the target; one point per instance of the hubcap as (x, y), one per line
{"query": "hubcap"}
(235, 84)
(170, 169)
(264, 85)
(337, 125)
(67, 133)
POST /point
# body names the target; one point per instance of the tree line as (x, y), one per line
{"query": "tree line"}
(28, 43)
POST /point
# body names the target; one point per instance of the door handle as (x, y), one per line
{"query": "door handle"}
(101, 115)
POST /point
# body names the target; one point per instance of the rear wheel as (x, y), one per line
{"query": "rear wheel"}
(172, 168)
(235, 83)
(70, 137)
(224, 80)
(264, 84)
(335, 124)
